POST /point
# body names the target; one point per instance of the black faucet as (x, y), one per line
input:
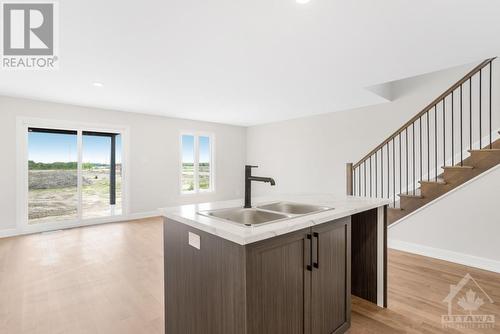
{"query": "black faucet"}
(248, 184)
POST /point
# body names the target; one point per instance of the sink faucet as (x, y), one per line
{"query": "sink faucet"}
(248, 184)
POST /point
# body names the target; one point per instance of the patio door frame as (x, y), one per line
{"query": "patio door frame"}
(23, 125)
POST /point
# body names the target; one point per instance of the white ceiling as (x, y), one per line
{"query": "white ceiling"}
(247, 62)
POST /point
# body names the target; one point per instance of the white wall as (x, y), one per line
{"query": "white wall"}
(463, 226)
(154, 154)
(309, 154)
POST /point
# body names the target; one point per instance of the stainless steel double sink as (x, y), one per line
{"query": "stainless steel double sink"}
(263, 214)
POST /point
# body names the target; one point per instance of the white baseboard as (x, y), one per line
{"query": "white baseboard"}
(9, 232)
(446, 255)
(12, 232)
(142, 215)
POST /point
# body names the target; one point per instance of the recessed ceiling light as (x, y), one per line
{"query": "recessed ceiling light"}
(98, 84)
(303, 1)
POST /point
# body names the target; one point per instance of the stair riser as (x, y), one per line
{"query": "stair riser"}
(436, 190)
(457, 176)
(431, 187)
(409, 203)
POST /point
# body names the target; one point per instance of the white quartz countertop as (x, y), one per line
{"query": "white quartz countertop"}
(240, 234)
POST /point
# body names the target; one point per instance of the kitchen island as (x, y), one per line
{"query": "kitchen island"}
(292, 274)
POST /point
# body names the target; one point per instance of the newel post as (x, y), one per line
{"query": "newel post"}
(349, 176)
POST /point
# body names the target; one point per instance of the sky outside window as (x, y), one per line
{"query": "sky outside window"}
(97, 149)
(187, 149)
(51, 147)
(48, 148)
(204, 149)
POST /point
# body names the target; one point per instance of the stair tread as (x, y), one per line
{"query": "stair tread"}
(458, 167)
(433, 181)
(416, 194)
(486, 150)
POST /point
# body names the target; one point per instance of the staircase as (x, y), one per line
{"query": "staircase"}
(448, 143)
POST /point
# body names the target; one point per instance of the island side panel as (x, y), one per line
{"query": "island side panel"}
(369, 252)
(204, 288)
(383, 285)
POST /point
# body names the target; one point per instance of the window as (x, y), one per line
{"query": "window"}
(197, 170)
(73, 174)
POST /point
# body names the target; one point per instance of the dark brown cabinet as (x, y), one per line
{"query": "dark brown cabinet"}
(299, 283)
(331, 278)
(278, 286)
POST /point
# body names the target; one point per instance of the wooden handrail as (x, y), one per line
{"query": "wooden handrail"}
(441, 97)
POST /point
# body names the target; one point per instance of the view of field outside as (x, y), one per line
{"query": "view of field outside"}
(53, 179)
(204, 163)
(188, 163)
(96, 160)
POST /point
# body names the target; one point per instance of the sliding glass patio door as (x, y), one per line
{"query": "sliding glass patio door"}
(73, 175)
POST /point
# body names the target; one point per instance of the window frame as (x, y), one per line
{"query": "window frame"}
(196, 135)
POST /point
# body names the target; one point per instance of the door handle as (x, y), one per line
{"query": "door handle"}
(316, 263)
(310, 265)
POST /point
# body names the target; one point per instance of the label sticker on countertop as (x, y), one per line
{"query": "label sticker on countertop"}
(194, 240)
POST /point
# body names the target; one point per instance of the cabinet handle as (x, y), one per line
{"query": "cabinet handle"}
(309, 266)
(316, 263)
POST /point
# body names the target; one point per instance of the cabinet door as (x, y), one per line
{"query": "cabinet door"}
(278, 284)
(331, 280)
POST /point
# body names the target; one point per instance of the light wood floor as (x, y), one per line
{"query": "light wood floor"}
(109, 279)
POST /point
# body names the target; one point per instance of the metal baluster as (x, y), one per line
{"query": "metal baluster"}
(461, 129)
(470, 113)
(371, 180)
(364, 165)
(452, 130)
(444, 132)
(381, 173)
(420, 147)
(428, 149)
(435, 142)
(388, 172)
(491, 84)
(359, 182)
(480, 109)
(400, 167)
(413, 152)
(406, 165)
(394, 170)
(376, 172)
